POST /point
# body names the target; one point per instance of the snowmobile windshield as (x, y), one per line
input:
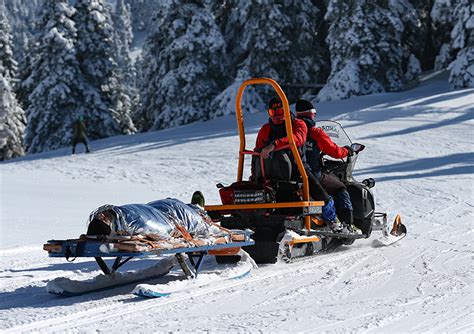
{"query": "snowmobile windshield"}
(335, 131)
(159, 217)
(337, 134)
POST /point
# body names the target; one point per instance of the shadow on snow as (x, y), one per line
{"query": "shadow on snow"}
(37, 296)
(464, 116)
(217, 128)
(454, 164)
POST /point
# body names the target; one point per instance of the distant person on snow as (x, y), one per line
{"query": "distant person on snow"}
(272, 142)
(79, 134)
(318, 143)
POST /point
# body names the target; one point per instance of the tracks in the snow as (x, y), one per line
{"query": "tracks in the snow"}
(76, 319)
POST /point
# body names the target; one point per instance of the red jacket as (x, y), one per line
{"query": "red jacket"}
(326, 145)
(265, 135)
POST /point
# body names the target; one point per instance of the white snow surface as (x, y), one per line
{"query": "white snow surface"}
(419, 148)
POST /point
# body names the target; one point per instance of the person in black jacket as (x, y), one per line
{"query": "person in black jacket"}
(318, 143)
(79, 134)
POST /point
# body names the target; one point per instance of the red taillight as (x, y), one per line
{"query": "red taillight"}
(227, 195)
(245, 192)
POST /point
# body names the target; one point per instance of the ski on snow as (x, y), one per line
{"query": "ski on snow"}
(212, 273)
(67, 287)
(387, 240)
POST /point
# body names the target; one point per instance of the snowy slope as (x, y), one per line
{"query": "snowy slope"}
(419, 149)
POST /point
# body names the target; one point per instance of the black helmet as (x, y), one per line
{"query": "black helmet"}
(275, 103)
(305, 108)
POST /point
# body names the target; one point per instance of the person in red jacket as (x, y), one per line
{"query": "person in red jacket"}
(272, 142)
(318, 142)
(272, 135)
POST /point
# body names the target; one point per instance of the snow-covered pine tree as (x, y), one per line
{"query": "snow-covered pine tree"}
(105, 101)
(277, 39)
(128, 98)
(462, 39)
(22, 15)
(184, 66)
(271, 38)
(414, 31)
(142, 13)
(365, 42)
(418, 32)
(55, 83)
(122, 103)
(24, 86)
(443, 21)
(224, 103)
(123, 33)
(7, 61)
(12, 118)
(12, 121)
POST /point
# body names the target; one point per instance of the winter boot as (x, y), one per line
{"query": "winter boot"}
(337, 227)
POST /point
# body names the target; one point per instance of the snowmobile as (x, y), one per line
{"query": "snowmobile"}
(286, 222)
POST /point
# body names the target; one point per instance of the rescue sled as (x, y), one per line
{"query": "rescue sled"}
(285, 220)
(189, 253)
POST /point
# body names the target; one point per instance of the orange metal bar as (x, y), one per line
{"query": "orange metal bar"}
(225, 251)
(289, 132)
(263, 206)
(317, 221)
(304, 240)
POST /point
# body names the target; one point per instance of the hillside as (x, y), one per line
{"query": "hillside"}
(419, 150)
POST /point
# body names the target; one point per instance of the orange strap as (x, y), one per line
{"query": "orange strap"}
(184, 233)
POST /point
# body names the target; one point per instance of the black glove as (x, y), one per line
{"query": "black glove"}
(350, 151)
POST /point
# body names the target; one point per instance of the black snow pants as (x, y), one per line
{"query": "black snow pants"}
(76, 141)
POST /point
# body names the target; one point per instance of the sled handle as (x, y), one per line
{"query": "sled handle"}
(288, 126)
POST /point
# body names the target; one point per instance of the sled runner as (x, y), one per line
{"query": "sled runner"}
(213, 276)
(285, 220)
(189, 254)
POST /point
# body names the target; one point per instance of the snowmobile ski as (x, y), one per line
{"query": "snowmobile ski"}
(387, 240)
(397, 233)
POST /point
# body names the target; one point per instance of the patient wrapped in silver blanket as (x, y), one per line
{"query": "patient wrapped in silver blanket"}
(161, 218)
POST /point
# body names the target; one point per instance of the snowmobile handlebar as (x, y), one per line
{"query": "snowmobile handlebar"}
(356, 148)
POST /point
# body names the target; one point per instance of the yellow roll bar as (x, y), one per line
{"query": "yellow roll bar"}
(289, 129)
(289, 132)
